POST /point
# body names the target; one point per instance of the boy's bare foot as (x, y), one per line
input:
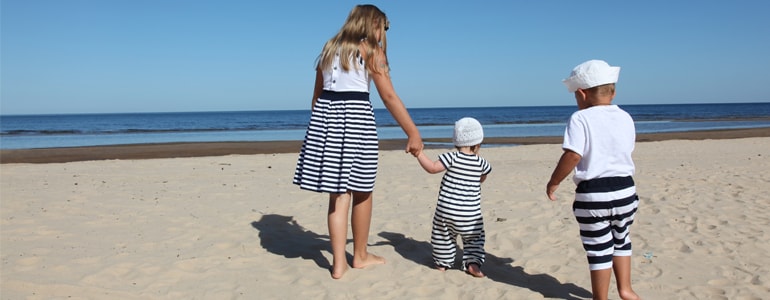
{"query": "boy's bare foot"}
(338, 271)
(368, 260)
(440, 268)
(474, 270)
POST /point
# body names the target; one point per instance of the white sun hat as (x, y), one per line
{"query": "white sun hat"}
(590, 74)
(468, 132)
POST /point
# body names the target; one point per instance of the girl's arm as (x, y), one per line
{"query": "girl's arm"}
(381, 78)
(318, 88)
(430, 166)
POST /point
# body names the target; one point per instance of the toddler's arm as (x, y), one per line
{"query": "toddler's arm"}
(430, 166)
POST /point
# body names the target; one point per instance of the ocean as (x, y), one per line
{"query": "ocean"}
(73, 130)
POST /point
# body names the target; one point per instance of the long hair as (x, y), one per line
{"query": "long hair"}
(361, 26)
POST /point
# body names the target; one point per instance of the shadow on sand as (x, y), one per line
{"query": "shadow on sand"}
(282, 235)
(496, 268)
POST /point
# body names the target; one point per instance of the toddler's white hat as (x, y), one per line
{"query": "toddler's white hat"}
(468, 132)
(590, 74)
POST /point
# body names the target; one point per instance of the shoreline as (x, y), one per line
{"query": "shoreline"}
(199, 149)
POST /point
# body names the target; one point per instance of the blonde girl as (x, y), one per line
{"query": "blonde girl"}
(339, 155)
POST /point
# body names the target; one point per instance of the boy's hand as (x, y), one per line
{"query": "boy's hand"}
(550, 189)
(569, 159)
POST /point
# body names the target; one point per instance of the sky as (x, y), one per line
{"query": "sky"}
(120, 56)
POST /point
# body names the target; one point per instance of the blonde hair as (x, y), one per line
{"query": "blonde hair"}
(602, 90)
(361, 26)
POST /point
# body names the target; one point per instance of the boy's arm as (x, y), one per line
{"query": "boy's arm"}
(567, 163)
(430, 166)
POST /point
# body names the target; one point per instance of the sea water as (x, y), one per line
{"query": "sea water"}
(72, 130)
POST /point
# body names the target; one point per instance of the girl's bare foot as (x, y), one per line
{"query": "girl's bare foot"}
(338, 271)
(368, 260)
(475, 270)
(629, 295)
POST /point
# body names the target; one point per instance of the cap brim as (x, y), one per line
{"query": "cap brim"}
(583, 81)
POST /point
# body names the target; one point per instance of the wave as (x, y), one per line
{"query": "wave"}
(288, 127)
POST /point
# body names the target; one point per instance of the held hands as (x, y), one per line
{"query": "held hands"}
(414, 146)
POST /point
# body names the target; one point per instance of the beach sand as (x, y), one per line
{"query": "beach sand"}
(222, 224)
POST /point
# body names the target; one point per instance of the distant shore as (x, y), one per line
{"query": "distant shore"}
(169, 150)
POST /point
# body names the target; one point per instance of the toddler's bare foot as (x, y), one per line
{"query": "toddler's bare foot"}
(440, 268)
(475, 270)
(338, 271)
(368, 260)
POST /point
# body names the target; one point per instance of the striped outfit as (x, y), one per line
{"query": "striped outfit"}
(458, 211)
(339, 153)
(605, 199)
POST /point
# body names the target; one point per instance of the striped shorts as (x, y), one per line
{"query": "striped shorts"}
(605, 209)
(339, 153)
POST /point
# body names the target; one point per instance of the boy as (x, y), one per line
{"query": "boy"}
(458, 211)
(598, 143)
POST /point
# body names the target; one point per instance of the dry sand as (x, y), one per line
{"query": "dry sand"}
(234, 227)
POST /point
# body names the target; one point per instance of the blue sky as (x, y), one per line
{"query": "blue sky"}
(98, 56)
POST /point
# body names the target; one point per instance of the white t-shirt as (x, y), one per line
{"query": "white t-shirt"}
(604, 137)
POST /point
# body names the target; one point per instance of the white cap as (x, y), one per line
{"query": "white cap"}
(590, 74)
(468, 132)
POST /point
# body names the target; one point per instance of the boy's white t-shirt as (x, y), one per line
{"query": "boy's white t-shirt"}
(604, 137)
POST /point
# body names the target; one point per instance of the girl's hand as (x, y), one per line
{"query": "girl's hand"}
(414, 146)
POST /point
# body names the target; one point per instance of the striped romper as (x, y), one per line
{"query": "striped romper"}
(458, 211)
(605, 198)
(339, 153)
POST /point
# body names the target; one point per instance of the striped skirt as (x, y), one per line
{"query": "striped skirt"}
(339, 153)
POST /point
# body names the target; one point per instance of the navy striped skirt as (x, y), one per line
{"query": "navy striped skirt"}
(339, 153)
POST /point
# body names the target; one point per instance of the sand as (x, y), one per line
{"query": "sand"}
(232, 226)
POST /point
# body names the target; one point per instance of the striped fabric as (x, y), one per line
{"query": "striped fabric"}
(605, 209)
(339, 153)
(458, 211)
